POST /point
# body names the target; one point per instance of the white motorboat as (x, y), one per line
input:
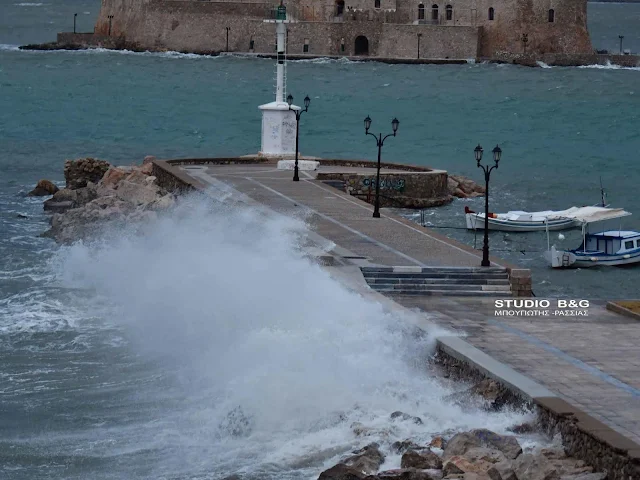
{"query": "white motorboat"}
(519, 221)
(608, 247)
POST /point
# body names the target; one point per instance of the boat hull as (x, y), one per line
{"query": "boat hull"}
(476, 222)
(577, 259)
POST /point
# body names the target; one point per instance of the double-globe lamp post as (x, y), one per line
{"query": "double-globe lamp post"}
(497, 153)
(298, 112)
(380, 141)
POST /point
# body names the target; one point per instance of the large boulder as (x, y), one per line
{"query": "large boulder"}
(487, 394)
(459, 464)
(341, 472)
(66, 198)
(405, 474)
(423, 459)
(78, 172)
(404, 445)
(534, 467)
(43, 188)
(464, 441)
(113, 176)
(367, 460)
(398, 415)
(136, 193)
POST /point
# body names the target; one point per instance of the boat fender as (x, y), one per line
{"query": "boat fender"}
(627, 256)
(593, 259)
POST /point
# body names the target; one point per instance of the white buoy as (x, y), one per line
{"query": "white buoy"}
(560, 236)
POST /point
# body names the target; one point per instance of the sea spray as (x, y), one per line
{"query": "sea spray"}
(271, 360)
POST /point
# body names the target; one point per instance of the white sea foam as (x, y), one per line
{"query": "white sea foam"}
(609, 66)
(542, 64)
(28, 4)
(7, 47)
(267, 343)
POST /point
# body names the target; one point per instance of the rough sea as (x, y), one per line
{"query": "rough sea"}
(161, 356)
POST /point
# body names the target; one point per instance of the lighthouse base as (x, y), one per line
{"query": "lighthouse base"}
(278, 129)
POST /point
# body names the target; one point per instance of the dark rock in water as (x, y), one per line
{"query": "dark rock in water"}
(405, 474)
(341, 472)
(487, 392)
(43, 188)
(22, 215)
(57, 207)
(236, 423)
(404, 445)
(406, 416)
(421, 459)
(464, 441)
(525, 427)
(366, 460)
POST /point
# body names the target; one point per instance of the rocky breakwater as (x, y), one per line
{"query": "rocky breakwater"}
(99, 194)
(478, 454)
(462, 187)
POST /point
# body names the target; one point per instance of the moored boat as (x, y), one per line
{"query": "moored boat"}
(519, 221)
(608, 247)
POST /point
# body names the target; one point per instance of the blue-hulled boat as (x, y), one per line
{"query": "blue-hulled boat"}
(608, 247)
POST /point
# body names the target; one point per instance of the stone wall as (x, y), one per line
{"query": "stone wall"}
(583, 436)
(391, 30)
(401, 190)
(201, 26)
(520, 281)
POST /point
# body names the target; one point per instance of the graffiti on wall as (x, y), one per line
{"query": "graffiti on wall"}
(396, 184)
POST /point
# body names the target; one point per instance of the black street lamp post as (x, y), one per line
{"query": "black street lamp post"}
(380, 141)
(298, 113)
(497, 153)
(74, 22)
(620, 37)
(110, 17)
(419, 35)
(228, 28)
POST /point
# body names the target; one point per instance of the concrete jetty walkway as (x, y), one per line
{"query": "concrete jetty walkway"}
(592, 362)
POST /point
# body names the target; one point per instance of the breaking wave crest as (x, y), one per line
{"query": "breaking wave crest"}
(270, 359)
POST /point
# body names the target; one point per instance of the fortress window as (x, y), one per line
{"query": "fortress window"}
(251, 44)
(305, 47)
(434, 12)
(449, 11)
(552, 16)
(377, 4)
(421, 12)
(491, 13)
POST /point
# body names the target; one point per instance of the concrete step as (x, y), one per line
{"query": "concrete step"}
(469, 276)
(417, 269)
(448, 293)
(426, 288)
(440, 281)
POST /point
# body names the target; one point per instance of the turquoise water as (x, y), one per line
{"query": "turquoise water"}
(80, 401)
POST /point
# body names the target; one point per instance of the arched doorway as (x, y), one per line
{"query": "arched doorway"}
(339, 7)
(361, 46)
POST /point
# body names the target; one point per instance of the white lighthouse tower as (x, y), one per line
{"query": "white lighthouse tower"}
(278, 121)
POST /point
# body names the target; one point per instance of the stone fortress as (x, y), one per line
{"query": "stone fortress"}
(435, 29)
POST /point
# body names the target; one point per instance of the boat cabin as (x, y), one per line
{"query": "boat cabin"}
(611, 242)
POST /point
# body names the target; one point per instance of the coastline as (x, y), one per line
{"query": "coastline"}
(526, 60)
